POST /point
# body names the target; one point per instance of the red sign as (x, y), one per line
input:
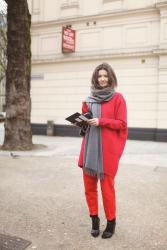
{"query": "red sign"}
(68, 40)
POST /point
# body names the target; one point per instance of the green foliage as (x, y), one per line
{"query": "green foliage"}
(3, 45)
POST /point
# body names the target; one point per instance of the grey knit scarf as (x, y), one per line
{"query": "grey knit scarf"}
(93, 158)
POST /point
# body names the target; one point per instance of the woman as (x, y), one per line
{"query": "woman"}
(102, 145)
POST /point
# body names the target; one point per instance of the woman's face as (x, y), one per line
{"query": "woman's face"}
(103, 78)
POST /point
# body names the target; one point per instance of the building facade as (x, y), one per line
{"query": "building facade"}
(130, 35)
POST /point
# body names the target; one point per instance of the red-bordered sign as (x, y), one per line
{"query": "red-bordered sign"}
(68, 40)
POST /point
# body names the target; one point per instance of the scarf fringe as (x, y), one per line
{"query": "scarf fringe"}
(93, 173)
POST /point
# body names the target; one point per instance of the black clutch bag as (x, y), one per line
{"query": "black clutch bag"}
(79, 119)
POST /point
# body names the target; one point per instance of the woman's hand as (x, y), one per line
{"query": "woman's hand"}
(93, 122)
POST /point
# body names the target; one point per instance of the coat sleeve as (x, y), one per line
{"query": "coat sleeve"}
(84, 107)
(120, 121)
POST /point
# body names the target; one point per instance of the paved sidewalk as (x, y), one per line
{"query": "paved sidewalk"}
(145, 153)
(42, 197)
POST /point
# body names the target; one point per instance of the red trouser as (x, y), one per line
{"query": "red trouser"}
(108, 195)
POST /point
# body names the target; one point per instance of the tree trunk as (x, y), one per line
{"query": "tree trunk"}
(18, 135)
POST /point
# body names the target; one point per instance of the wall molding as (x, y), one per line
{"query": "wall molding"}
(99, 55)
(144, 134)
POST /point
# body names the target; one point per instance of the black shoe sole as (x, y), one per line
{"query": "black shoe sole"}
(95, 233)
(107, 235)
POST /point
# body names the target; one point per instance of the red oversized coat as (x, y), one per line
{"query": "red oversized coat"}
(113, 123)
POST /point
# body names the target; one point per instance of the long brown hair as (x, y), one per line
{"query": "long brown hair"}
(112, 79)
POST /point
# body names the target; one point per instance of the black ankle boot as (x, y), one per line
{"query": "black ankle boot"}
(95, 225)
(110, 229)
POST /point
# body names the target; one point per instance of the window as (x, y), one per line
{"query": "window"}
(69, 3)
(108, 1)
(112, 5)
